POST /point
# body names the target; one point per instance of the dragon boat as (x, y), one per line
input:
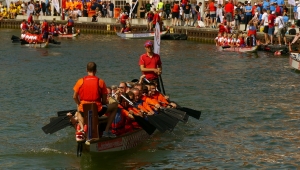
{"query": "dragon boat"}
(140, 34)
(294, 60)
(33, 40)
(91, 140)
(237, 49)
(283, 49)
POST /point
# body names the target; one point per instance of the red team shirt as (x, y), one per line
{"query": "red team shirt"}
(150, 63)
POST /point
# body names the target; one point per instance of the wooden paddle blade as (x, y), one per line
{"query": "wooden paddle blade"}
(149, 128)
(191, 112)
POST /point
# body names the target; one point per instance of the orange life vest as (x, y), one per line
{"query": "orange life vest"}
(89, 91)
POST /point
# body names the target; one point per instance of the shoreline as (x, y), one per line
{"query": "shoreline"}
(107, 25)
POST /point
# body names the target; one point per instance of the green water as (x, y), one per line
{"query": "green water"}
(249, 105)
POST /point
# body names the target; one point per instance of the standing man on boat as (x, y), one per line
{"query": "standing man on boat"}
(70, 26)
(150, 64)
(91, 89)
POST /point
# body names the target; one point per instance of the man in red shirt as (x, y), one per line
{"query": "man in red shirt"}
(229, 9)
(156, 18)
(150, 64)
(271, 19)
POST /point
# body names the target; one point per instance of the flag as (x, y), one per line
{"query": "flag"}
(157, 38)
(56, 5)
(292, 2)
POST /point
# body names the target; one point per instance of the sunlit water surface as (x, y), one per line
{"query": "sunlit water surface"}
(249, 105)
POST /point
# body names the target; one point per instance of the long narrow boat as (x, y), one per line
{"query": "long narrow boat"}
(295, 60)
(38, 45)
(139, 34)
(274, 48)
(237, 49)
(67, 35)
(123, 142)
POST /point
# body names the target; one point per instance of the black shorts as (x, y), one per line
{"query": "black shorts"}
(123, 25)
(175, 15)
(266, 28)
(298, 22)
(45, 35)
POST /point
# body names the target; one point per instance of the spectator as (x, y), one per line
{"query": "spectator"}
(229, 10)
(295, 10)
(142, 11)
(271, 19)
(248, 11)
(111, 8)
(168, 9)
(219, 14)
(266, 5)
(148, 6)
(212, 13)
(104, 9)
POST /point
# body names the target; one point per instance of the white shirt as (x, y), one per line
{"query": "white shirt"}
(219, 12)
(265, 19)
(279, 22)
(298, 10)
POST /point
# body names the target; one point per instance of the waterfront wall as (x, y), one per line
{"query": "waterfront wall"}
(194, 34)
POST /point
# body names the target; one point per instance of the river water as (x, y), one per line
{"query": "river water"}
(249, 105)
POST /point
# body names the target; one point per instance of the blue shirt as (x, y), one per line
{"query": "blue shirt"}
(272, 7)
(285, 19)
(260, 17)
(258, 9)
(280, 2)
(295, 9)
(266, 5)
(248, 8)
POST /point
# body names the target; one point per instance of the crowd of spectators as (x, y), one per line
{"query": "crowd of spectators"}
(74, 8)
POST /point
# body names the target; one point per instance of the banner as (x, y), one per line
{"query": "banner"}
(292, 2)
(56, 5)
(157, 38)
(132, 8)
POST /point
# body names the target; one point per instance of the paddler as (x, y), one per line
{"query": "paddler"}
(252, 34)
(150, 64)
(123, 21)
(45, 31)
(70, 26)
(91, 89)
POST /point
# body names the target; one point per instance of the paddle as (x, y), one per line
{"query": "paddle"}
(162, 84)
(162, 123)
(149, 128)
(58, 123)
(191, 112)
(227, 46)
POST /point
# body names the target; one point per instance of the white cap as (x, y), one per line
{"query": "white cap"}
(297, 2)
(255, 3)
(273, 12)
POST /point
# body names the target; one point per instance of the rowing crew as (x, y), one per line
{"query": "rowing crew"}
(127, 100)
(52, 29)
(234, 40)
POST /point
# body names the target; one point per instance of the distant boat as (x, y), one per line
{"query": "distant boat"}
(139, 34)
(295, 60)
(237, 49)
